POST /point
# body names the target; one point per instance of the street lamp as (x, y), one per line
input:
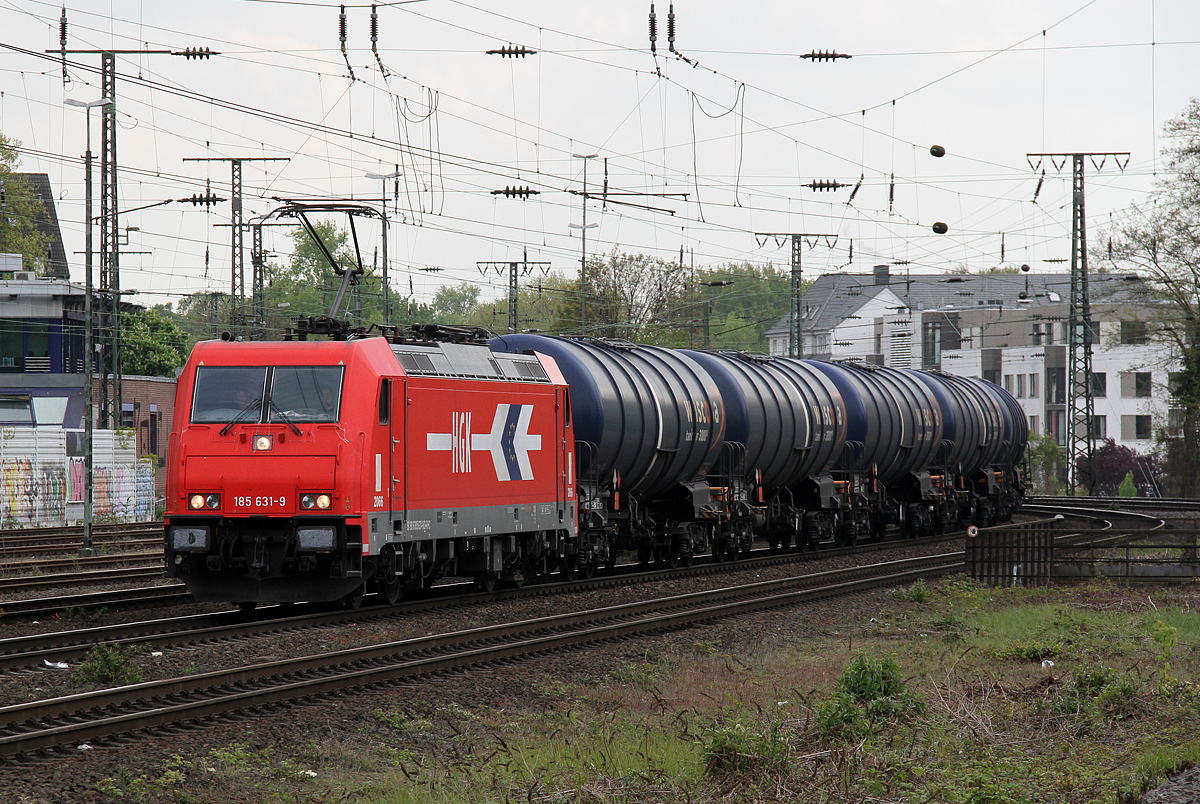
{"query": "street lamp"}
(583, 249)
(88, 348)
(387, 303)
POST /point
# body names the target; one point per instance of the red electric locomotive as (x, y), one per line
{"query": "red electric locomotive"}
(305, 470)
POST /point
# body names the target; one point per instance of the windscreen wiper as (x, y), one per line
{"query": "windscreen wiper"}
(242, 414)
(286, 419)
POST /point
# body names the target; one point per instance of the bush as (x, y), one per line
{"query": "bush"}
(868, 692)
(110, 664)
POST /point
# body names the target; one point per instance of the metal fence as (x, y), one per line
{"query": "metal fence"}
(1019, 554)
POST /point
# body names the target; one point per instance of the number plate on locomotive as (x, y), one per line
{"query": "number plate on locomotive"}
(259, 502)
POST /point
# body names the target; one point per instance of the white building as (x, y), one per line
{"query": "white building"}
(1009, 329)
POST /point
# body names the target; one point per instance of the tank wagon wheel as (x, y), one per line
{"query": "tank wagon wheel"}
(644, 553)
(485, 582)
(353, 600)
(567, 568)
(247, 606)
(588, 569)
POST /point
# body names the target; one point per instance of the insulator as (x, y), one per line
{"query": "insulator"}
(374, 26)
(62, 28)
(671, 26)
(892, 192)
(653, 29)
(342, 27)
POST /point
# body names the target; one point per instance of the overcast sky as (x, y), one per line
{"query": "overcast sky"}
(739, 125)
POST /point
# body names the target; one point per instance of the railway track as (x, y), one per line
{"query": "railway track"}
(40, 727)
(117, 598)
(28, 651)
(1112, 504)
(60, 580)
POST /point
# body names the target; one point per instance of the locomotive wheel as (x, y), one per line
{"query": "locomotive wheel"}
(247, 605)
(686, 558)
(567, 569)
(392, 589)
(588, 569)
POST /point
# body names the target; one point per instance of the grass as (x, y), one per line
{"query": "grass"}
(940, 696)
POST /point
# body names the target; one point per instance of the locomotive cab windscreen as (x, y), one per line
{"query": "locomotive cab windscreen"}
(275, 394)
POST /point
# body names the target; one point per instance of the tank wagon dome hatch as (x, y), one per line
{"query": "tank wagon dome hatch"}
(651, 416)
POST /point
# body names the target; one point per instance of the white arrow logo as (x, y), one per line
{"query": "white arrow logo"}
(509, 442)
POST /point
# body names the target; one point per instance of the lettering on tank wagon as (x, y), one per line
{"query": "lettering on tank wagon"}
(700, 414)
(509, 442)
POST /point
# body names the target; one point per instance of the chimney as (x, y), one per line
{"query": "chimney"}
(881, 275)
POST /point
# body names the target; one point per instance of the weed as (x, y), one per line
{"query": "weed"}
(917, 592)
(110, 664)
(737, 749)
(866, 679)
(1119, 700)
(841, 720)
(1034, 650)
(397, 721)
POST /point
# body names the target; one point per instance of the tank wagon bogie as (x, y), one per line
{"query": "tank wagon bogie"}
(321, 470)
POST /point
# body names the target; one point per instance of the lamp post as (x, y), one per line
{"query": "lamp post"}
(88, 347)
(387, 303)
(583, 249)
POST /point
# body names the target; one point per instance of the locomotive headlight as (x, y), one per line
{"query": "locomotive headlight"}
(263, 443)
(319, 501)
(200, 502)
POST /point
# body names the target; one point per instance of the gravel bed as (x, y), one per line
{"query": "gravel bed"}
(71, 777)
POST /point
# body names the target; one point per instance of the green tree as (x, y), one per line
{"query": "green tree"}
(19, 212)
(1161, 241)
(454, 304)
(151, 343)
(1047, 463)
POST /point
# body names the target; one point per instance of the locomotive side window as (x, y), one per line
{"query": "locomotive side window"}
(305, 394)
(385, 396)
(225, 393)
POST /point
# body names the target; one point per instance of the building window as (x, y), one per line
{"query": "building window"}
(1141, 384)
(931, 344)
(1175, 383)
(1033, 425)
(1099, 385)
(1008, 383)
(1135, 428)
(1049, 335)
(1134, 333)
(1037, 334)
(1033, 386)
(1056, 386)
(127, 414)
(1099, 428)
(1020, 386)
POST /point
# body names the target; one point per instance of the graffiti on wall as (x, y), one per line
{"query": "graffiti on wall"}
(37, 487)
